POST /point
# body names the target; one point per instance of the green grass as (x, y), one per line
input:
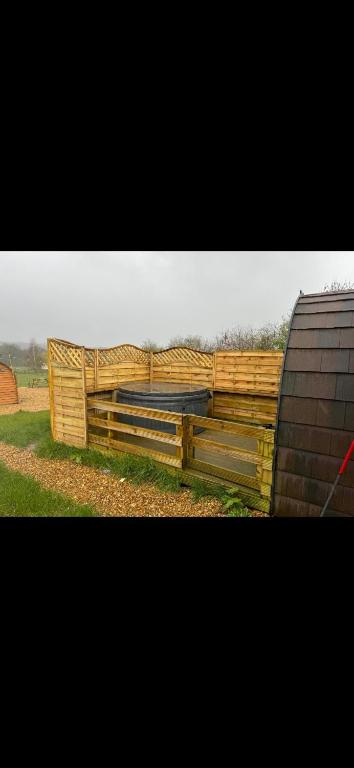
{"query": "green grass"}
(25, 376)
(23, 429)
(200, 489)
(23, 497)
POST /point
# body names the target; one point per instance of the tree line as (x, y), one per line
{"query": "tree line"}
(269, 337)
(17, 356)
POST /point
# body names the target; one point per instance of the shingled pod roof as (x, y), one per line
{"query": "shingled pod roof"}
(316, 408)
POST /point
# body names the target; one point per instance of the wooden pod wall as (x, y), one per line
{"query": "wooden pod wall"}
(316, 408)
(8, 386)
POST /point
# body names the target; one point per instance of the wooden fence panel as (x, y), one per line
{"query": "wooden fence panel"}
(68, 404)
(251, 372)
(183, 365)
(112, 376)
(255, 409)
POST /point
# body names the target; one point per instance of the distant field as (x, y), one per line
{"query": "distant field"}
(25, 377)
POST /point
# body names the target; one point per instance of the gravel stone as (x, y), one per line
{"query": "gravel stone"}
(106, 493)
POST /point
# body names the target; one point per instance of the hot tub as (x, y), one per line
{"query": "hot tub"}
(164, 396)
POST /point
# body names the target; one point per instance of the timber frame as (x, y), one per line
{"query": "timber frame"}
(243, 407)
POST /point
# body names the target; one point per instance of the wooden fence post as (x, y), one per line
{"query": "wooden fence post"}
(96, 368)
(214, 369)
(83, 364)
(51, 390)
(264, 470)
(185, 440)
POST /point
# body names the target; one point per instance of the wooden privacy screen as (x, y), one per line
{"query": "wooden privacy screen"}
(183, 365)
(244, 384)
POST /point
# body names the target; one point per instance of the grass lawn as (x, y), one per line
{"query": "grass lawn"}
(25, 377)
(23, 497)
(24, 428)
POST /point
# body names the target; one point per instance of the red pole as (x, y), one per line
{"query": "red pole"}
(341, 470)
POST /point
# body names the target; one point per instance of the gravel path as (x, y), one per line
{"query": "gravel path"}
(106, 493)
(30, 399)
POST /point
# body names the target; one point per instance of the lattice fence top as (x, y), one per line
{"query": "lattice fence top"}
(125, 352)
(65, 353)
(183, 354)
(89, 358)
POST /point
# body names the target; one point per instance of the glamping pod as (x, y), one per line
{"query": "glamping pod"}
(315, 424)
(8, 386)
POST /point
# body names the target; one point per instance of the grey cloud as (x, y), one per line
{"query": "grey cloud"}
(105, 298)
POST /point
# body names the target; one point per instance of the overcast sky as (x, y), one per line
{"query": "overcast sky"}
(106, 298)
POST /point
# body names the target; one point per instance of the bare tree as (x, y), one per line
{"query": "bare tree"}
(193, 342)
(150, 346)
(335, 285)
(36, 355)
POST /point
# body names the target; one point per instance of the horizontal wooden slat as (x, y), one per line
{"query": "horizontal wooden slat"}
(128, 429)
(123, 365)
(253, 500)
(162, 458)
(65, 373)
(227, 474)
(181, 367)
(70, 410)
(65, 425)
(67, 383)
(249, 371)
(182, 377)
(126, 374)
(253, 380)
(66, 418)
(225, 426)
(262, 390)
(270, 407)
(134, 410)
(239, 381)
(76, 402)
(60, 393)
(65, 437)
(245, 358)
(247, 417)
(226, 450)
